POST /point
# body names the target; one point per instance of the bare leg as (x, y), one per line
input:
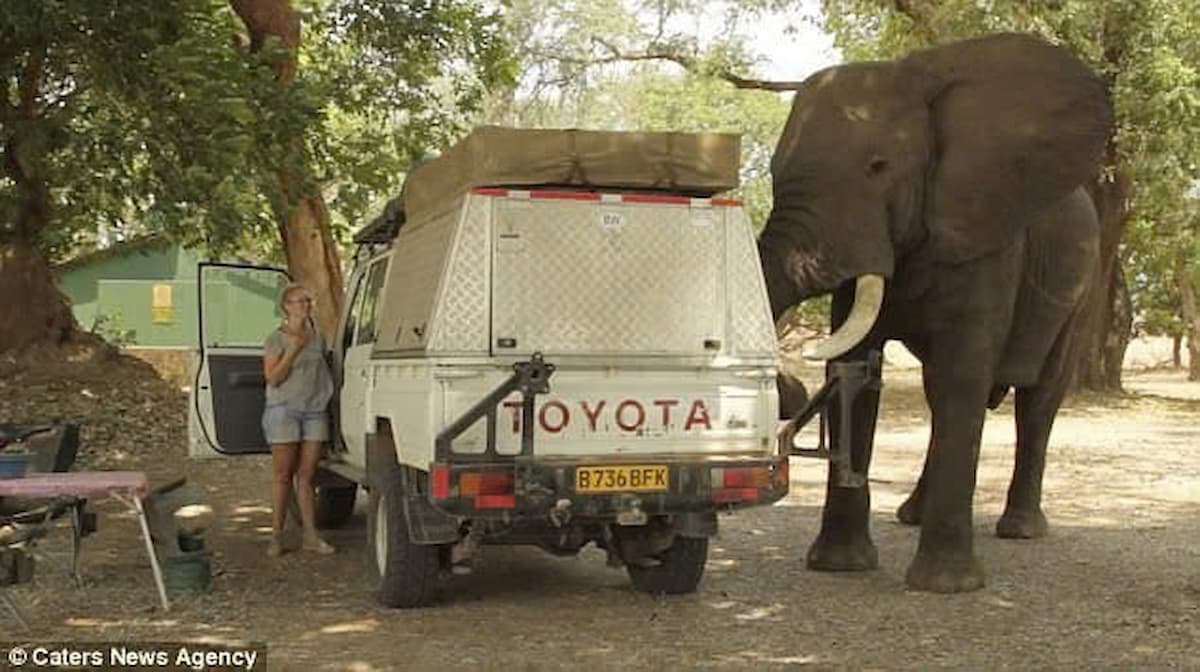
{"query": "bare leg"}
(283, 466)
(310, 454)
(284, 457)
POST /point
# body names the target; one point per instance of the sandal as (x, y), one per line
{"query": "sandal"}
(316, 544)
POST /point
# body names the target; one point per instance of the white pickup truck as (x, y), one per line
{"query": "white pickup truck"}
(559, 360)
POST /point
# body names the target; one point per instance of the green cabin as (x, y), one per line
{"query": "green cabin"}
(145, 291)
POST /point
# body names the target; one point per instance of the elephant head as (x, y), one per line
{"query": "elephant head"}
(945, 151)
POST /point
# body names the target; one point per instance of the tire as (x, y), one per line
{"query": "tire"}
(335, 505)
(679, 572)
(406, 574)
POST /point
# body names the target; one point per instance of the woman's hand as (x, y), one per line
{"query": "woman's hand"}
(297, 341)
(276, 368)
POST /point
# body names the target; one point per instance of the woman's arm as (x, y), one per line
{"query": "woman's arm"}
(277, 367)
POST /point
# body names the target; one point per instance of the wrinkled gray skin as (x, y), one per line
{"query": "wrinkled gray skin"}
(958, 173)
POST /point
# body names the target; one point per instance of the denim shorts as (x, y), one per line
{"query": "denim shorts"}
(283, 425)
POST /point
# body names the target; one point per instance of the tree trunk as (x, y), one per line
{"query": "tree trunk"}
(300, 210)
(1107, 314)
(1191, 321)
(32, 310)
(312, 257)
(1120, 325)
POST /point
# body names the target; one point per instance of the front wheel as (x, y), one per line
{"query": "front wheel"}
(334, 505)
(406, 573)
(678, 570)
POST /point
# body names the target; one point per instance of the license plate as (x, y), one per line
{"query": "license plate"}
(622, 478)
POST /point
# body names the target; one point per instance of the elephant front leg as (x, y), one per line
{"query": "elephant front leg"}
(945, 561)
(844, 542)
(909, 512)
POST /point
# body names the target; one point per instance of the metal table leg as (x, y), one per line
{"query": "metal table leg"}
(12, 608)
(76, 538)
(158, 579)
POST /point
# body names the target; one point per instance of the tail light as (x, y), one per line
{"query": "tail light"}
(741, 477)
(488, 489)
(742, 484)
(440, 477)
(476, 483)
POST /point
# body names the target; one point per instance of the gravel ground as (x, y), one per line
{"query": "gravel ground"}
(1115, 586)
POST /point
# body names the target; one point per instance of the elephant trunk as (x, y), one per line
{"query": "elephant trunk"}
(868, 300)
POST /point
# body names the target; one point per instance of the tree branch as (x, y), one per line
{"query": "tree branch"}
(6, 107)
(272, 18)
(920, 20)
(686, 62)
(30, 82)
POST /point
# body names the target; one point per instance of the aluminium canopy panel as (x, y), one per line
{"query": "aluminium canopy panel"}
(749, 308)
(699, 164)
(461, 315)
(422, 249)
(579, 277)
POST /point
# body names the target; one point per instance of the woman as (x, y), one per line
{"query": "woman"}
(295, 419)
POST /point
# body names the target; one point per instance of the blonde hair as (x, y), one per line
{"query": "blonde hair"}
(288, 290)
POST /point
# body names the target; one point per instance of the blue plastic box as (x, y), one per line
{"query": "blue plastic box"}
(14, 465)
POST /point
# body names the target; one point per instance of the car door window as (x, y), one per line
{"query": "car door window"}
(369, 313)
(352, 317)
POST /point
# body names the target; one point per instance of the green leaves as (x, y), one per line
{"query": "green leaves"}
(151, 117)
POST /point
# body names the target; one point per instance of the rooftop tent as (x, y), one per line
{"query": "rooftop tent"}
(695, 164)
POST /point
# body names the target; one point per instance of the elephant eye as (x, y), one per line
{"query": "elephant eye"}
(876, 166)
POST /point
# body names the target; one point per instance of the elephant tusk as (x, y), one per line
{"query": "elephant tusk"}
(868, 299)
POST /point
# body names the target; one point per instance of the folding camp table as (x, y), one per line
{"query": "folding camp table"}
(127, 487)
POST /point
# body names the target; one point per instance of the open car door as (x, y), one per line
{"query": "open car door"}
(238, 309)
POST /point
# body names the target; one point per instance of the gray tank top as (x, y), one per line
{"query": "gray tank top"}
(308, 386)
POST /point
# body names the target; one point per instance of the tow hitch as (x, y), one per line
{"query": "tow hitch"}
(844, 381)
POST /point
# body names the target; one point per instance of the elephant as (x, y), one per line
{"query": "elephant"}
(942, 200)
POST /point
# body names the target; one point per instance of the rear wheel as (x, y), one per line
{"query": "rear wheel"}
(406, 573)
(678, 570)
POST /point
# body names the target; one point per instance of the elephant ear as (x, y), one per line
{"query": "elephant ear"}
(1019, 124)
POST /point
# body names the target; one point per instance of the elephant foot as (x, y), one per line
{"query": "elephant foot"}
(1022, 525)
(945, 573)
(856, 554)
(909, 512)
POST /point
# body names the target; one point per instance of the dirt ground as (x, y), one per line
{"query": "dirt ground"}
(1116, 585)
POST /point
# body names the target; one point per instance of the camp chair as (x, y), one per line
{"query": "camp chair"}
(19, 532)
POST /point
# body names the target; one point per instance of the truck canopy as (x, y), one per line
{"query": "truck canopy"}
(693, 164)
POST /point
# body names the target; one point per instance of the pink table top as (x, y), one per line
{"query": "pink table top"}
(77, 483)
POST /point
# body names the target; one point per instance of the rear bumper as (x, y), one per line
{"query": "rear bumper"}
(540, 487)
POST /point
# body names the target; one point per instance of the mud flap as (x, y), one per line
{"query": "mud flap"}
(427, 525)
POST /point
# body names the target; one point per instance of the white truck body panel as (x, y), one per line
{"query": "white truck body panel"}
(652, 308)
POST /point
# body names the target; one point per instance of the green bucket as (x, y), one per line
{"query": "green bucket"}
(187, 573)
